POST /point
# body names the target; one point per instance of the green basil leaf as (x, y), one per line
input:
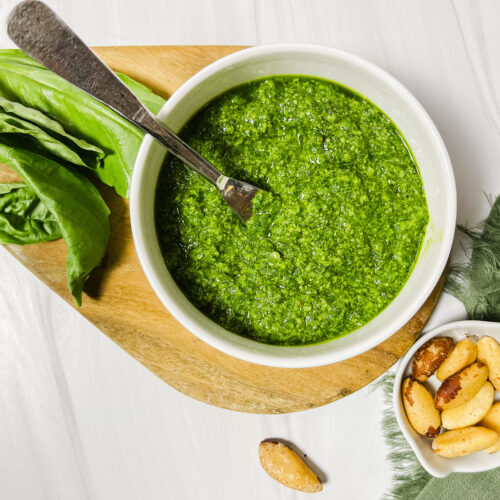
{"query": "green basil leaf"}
(76, 205)
(33, 137)
(24, 219)
(86, 154)
(25, 81)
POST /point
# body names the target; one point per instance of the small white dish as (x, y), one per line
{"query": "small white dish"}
(433, 463)
(383, 90)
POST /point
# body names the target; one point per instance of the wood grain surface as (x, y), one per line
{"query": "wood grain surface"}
(120, 302)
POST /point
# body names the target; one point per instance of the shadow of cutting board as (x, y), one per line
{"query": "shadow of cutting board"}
(121, 303)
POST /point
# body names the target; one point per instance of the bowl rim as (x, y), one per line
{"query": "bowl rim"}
(245, 353)
(396, 393)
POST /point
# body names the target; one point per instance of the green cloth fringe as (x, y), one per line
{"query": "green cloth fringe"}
(477, 283)
(409, 476)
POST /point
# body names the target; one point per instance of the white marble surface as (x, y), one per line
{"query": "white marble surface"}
(80, 419)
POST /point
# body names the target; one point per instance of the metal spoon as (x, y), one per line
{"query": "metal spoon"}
(39, 32)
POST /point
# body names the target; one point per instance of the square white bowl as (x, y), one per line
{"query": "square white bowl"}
(433, 463)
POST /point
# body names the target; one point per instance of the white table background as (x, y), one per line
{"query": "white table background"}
(81, 419)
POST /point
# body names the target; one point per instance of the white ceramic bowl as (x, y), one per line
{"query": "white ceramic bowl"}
(433, 463)
(385, 92)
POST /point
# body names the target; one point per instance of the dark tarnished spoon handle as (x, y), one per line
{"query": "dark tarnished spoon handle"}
(39, 32)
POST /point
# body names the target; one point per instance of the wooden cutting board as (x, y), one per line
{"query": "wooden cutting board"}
(120, 302)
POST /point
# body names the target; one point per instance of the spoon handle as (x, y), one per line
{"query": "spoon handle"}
(39, 32)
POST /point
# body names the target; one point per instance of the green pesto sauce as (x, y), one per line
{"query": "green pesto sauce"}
(347, 212)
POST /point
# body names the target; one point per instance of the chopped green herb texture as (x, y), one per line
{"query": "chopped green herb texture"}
(347, 204)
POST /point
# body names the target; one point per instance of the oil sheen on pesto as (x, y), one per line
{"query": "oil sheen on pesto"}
(332, 243)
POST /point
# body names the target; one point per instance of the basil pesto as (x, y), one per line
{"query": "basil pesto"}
(346, 211)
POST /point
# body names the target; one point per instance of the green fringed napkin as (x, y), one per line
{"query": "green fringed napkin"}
(477, 285)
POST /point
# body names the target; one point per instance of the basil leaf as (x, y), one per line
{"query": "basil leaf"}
(24, 80)
(75, 204)
(33, 137)
(24, 219)
(84, 153)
